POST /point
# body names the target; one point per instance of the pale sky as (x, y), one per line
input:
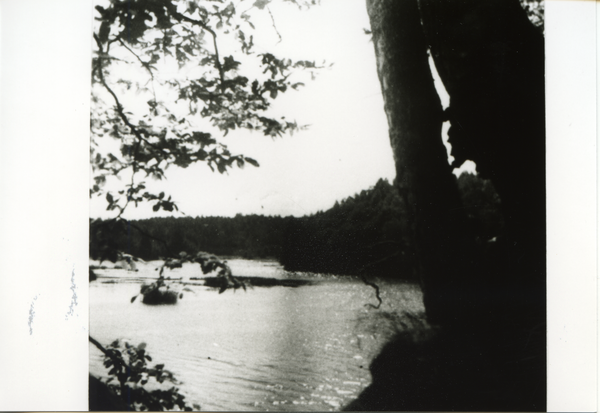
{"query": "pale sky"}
(345, 149)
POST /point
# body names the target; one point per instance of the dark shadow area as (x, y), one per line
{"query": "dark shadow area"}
(490, 356)
(102, 399)
(160, 296)
(445, 370)
(215, 282)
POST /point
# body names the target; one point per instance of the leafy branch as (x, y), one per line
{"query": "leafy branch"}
(182, 17)
(161, 29)
(128, 365)
(144, 64)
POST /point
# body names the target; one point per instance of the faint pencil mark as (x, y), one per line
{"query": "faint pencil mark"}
(31, 315)
(73, 297)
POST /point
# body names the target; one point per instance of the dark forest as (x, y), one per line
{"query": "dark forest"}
(362, 234)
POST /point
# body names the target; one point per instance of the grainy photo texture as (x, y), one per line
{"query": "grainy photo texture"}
(304, 205)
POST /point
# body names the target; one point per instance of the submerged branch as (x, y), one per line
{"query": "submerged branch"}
(376, 287)
(371, 284)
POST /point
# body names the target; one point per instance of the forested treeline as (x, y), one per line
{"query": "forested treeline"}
(367, 233)
(251, 236)
(363, 234)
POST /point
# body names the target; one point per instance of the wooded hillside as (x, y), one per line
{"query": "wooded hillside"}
(362, 234)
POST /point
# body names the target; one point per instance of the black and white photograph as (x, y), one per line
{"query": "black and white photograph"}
(313, 206)
(300, 205)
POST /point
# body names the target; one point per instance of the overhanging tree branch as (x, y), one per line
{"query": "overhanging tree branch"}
(119, 107)
(203, 25)
(274, 25)
(146, 65)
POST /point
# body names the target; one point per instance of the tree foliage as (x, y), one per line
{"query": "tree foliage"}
(535, 12)
(170, 79)
(135, 383)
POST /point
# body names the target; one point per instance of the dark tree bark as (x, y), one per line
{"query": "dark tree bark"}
(423, 176)
(491, 61)
(488, 351)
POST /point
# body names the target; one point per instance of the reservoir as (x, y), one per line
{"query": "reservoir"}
(304, 348)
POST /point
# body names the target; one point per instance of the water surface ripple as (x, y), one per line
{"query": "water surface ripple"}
(270, 348)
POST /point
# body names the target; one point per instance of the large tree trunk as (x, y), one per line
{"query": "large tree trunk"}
(423, 175)
(489, 353)
(491, 61)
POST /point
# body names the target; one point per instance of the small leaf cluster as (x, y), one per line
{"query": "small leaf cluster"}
(535, 12)
(208, 263)
(129, 373)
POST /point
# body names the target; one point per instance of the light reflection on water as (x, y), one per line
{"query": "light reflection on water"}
(277, 348)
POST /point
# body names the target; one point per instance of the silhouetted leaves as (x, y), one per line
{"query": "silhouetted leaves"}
(535, 12)
(219, 98)
(251, 161)
(129, 373)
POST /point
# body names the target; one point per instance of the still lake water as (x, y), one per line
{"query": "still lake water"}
(271, 348)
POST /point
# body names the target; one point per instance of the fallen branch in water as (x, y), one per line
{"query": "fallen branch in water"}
(376, 287)
(371, 284)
